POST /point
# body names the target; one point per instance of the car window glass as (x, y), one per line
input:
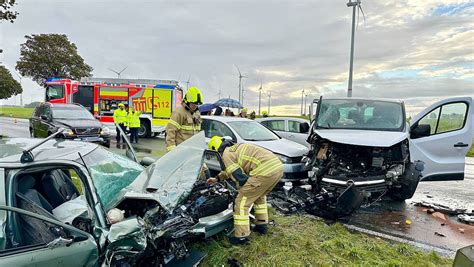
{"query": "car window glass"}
(452, 117)
(431, 119)
(220, 129)
(294, 126)
(74, 112)
(205, 127)
(276, 125)
(47, 111)
(253, 131)
(54, 91)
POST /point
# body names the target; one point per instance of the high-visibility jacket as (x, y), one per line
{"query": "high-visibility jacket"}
(181, 126)
(245, 160)
(133, 119)
(120, 116)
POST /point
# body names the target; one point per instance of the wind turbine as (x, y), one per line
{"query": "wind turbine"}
(187, 82)
(355, 4)
(269, 102)
(241, 95)
(118, 72)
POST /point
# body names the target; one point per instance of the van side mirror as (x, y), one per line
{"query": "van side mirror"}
(420, 130)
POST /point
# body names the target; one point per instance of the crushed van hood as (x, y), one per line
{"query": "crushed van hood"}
(362, 137)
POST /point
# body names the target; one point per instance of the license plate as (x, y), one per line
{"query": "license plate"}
(89, 139)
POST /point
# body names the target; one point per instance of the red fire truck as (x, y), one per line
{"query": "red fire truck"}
(156, 99)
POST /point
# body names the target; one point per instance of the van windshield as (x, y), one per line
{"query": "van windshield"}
(361, 115)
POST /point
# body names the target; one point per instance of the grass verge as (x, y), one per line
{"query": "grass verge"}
(470, 152)
(303, 241)
(16, 112)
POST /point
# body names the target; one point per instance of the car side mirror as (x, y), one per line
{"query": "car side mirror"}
(420, 130)
(44, 117)
(147, 161)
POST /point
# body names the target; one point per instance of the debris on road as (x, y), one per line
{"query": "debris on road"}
(441, 208)
(430, 211)
(439, 215)
(407, 222)
(466, 218)
(439, 234)
(461, 230)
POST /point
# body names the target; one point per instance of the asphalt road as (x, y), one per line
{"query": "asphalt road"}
(385, 218)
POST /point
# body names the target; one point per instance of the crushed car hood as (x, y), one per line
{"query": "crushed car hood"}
(283, 147)
(362, 137)
(170, 179)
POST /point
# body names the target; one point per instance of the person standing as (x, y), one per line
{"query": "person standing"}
(185, 120)
(120, 120)
(243, 113)
(256, 171)
(133, 124)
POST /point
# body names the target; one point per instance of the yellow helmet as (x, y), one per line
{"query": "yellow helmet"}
(121, 105)
(244, 109)
(215, 143)
(193, 95)
(264, 113)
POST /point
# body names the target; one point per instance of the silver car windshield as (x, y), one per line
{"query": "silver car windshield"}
(110, 173)
(172, 177)
(361, 114)
(253, 131)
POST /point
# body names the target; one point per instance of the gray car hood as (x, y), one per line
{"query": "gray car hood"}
(362, 137)
(170, 179)
(283, 147)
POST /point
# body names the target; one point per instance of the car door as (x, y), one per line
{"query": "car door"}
(63, 245)
(298, 131)
(448, 134)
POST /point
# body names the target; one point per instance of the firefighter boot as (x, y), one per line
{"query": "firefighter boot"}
(239, 240)
(261, 229)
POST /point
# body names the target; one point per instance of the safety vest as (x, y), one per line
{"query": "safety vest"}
(181, 126)
(252, 159)
(134, 119)
(120, 116)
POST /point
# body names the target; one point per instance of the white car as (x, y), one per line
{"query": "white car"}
(294, 129)
(243, 130)
(367, 143)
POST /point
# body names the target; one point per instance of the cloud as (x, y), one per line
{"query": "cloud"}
(404, 49)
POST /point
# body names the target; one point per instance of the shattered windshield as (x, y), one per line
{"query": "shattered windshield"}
(110, 173)
(361, 114)
(173, 176)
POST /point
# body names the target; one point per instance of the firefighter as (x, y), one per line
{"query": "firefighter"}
(120, 120)
(243, 113)
(256, 171)
(133, 123)
(185, 121)
(264, 114)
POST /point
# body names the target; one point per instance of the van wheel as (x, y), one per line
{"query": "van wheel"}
(408, 182)
(145, 129)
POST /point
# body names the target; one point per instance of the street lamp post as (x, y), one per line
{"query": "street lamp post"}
(354, 6)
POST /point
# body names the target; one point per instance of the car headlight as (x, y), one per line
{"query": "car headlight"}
(105, 131)
(284, 159)
(68, 132)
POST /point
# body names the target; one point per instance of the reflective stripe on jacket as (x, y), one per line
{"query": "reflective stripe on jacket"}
(120, 116)
(181, 126)
(134, 119)
(251, 159)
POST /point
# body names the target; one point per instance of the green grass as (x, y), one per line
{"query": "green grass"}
(303, 241)
(470, 152)
(16, 112)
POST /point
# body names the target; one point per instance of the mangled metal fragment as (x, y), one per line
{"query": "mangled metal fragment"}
(441, 208)
(465, 218)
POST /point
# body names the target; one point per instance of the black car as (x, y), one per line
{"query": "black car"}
(78, 122)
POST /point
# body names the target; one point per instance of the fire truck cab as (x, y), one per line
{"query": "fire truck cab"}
(156, 99)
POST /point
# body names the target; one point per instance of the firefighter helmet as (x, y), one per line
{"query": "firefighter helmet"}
(193, 95)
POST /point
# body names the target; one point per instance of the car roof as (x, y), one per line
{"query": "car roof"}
(282, 118)
(362, 98)
(55, 149)
(63, 105)
(225, 118)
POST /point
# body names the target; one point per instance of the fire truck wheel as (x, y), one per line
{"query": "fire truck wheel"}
(145, 129)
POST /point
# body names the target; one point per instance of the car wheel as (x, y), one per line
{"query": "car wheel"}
(408, 182)
(145, 129)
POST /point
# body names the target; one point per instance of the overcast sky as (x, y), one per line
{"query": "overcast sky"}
(420, 51)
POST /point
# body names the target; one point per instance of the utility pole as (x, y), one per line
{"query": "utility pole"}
(21, 94)
(354, 5)
(302, 93)
(269, 102)
(305, 96)
(259, 97)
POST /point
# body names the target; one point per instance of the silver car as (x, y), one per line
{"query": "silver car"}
(294, 129)
(243, 130)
